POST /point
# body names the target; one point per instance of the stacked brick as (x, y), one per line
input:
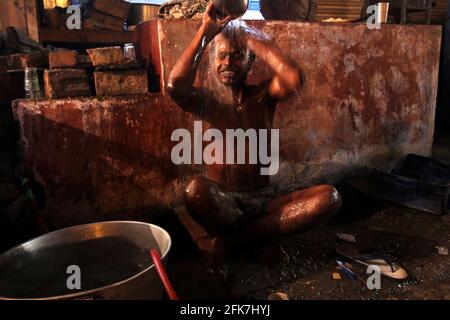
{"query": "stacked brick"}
(115, 75)
(66, 77)
(107, 14)
(21, 61)
(71, 74)
(102, 72)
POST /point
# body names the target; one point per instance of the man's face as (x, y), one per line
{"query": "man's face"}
(231, 61)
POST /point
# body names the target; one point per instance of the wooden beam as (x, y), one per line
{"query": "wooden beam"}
(31, 12)
(86, 36)
(12, 14)
(428, 15)
(21, 14)
(351, 9)
(445, 69)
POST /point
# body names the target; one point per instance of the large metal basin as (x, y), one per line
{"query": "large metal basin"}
(113, 258)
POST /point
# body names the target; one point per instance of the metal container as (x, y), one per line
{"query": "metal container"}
(415, 182)
(142, 12)
(129, 51)
(50, 4)
(231, 7)
(31, 84)
(112, 258)
(382, 12)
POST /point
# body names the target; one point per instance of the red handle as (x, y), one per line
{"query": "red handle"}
(163, 275)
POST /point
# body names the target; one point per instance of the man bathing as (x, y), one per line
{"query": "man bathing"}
(233, 201)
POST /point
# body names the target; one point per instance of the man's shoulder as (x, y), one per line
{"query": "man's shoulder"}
(260, 91)
(262, 86)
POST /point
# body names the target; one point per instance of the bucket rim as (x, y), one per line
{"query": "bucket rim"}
(93, 291)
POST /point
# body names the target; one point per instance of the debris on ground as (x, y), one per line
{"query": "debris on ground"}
(278, 296)
(346, 237)
(443, 251)
(336, 276)
(346, 271)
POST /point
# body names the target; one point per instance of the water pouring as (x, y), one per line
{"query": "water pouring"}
(231, 7)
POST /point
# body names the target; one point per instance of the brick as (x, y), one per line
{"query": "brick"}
(106, 56)
(98, 20)
(3, 64)
(83, 60)
(116, 8)
(62, 83)
(121, 82)
(122, 66)
(27, 60)
(62, 59)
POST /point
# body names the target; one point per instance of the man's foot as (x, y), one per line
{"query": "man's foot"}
(214, 251)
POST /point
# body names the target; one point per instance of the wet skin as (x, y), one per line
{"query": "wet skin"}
(231, 62)
(250, 107)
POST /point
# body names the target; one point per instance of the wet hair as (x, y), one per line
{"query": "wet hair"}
(237, 32)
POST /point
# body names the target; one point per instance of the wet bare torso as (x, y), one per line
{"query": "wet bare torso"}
(255, 111)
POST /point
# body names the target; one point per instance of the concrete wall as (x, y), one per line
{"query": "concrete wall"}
(370, 94)
(370, 97)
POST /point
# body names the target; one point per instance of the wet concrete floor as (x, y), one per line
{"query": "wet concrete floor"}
(302, 265)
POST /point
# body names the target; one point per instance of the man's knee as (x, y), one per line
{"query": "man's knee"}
(318, 205)
(197, 190)
(197, 202)
(215, 210)
(328, 200)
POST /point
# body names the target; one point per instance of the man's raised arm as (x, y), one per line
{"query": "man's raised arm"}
(288, 76)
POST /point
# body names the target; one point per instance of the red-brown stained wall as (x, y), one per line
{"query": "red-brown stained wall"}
(370, 94)
(370, 97)
(106, 158)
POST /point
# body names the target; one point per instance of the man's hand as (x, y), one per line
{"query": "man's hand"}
(213, 22)
(288, 76)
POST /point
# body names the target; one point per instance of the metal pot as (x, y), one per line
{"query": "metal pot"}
(231, 7)
(113, 259)
(142, 12)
